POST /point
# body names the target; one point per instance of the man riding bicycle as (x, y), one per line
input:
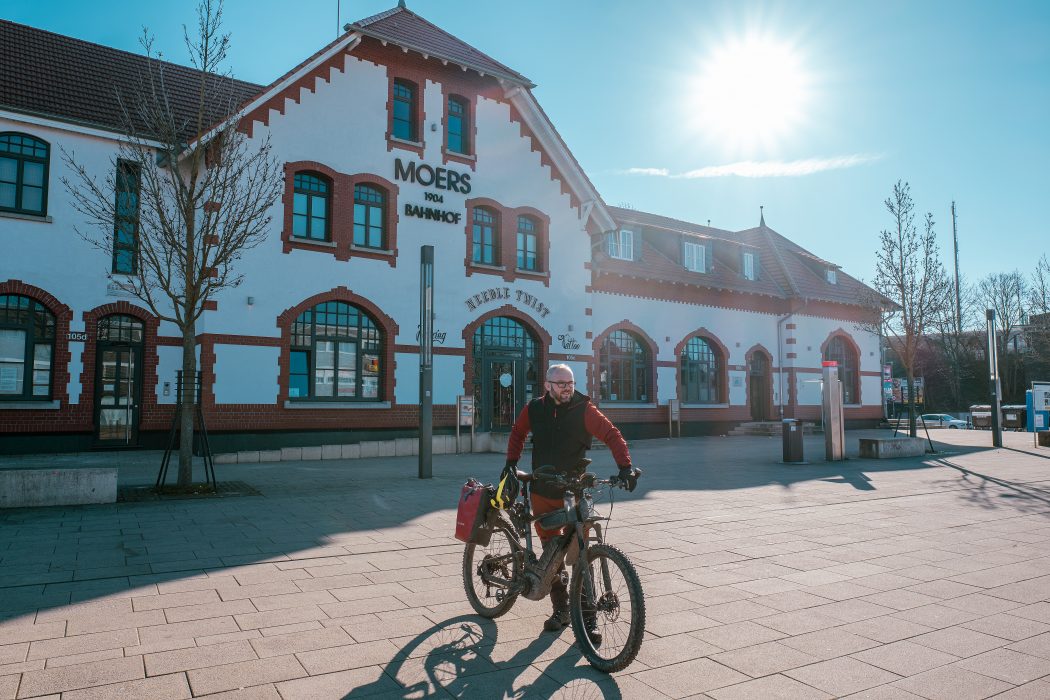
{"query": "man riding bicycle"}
(562, 422)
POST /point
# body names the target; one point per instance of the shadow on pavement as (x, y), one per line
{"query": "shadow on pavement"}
(1025, 497)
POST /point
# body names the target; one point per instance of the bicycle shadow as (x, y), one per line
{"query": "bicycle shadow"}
(462, 657)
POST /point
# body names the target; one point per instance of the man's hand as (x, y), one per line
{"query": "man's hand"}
(628, 477)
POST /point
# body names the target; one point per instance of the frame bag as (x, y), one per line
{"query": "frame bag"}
(472, 513)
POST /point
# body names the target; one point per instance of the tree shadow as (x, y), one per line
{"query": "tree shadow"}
(1021, 496)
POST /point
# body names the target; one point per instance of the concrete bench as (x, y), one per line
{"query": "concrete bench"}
(24, 488)
(892, 447)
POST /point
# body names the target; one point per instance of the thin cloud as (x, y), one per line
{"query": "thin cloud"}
(768, 168)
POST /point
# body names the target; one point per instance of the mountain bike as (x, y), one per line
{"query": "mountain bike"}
(606, 604)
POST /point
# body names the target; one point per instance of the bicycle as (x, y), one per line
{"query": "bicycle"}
(605, 596)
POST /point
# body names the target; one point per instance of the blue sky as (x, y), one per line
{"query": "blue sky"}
(953, 97)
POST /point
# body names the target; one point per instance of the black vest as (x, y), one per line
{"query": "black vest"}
(559, 437)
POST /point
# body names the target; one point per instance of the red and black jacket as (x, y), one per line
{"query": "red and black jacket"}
(561, 436)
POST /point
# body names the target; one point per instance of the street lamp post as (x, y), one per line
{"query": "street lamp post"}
(426, 361)
(993, 379)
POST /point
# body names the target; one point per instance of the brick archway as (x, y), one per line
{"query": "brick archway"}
(723, 364)
(383, 321)
(769, 408)
(852, 346)
(63, 315)
(593, 380)
(540, 335)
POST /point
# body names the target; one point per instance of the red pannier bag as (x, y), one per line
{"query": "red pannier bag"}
(472, 513)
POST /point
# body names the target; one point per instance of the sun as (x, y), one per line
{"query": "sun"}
(750, 91)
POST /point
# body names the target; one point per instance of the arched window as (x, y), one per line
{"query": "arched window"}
(404, 120)
(458, 125)
(336, 354)
(485, 237)
(842, 352)
(527, 244)
(310, 207)
(624, 368)
(118, 328)
(369, 217)
(507, 373)
(701, 371)
(23, 174)
(27, 349)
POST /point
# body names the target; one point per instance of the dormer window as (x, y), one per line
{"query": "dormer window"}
(620, 244)
(749, 266)
(694, 256)
(830, 276)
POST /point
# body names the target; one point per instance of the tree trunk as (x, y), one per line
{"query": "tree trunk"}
(911, 404)
(189, 374)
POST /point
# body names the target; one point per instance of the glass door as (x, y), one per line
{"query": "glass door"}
(117, 396)
(501, 387)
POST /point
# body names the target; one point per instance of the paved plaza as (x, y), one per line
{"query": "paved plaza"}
(912, 578)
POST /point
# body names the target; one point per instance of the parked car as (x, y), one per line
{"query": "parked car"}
(943, 420)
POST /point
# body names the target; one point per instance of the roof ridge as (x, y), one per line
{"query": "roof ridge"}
(371, 19)
(84, 43)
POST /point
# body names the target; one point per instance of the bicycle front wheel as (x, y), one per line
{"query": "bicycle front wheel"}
(488, 572)
(607, 608)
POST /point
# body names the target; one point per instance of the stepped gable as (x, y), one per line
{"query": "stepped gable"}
(59, 77)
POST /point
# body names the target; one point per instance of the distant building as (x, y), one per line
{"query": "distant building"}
(393, 136)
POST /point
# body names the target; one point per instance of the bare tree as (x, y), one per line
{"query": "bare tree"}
(1037, 330)
(204, 193)
(1005, 293)
(953, 341)
(1039, 288)
(910, 273)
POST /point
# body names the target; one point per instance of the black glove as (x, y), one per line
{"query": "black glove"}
(628, 477)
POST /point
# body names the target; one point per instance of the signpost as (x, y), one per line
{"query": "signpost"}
(674, 415)
(465, 416)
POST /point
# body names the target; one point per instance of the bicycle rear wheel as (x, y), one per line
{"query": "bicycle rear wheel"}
(487, 572)
(615, 609)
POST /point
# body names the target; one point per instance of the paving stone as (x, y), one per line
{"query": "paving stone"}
(346, 657)
(68, 678)
(737, 635)
(1036, 690)
(171, 600)
(13, 633)
(277, 617)
(904, 658)
(187, 630)
(763, 659)
(799, 621)
(173, 687)
(13, 653)
(936, 616)
(829, 643)
(842, 676)
(690, 678)
(9, 686)
(285, 644)
(87, 657)
(959, 641)
(672, 650)
(83, 643)
(900, 599)
(216, 679)
(952, 683)
(1007, 626)
(771, 688)
(358, 682)
(1007, 665)
(198, 657)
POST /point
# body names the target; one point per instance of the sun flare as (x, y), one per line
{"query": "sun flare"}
(750, 91)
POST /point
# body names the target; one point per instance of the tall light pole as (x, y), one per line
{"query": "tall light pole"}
(426, 361)
(993, 379)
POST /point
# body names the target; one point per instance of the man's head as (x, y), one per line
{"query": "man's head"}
(560, 383)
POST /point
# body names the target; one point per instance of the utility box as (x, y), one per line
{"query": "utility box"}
(1014, 417)
(834, 420)
(792, 438)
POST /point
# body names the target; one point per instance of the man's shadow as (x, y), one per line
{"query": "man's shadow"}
(461, 657)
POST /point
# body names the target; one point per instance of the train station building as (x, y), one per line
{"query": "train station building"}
(395, 136)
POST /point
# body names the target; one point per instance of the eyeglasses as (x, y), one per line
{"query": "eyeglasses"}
(562, 385)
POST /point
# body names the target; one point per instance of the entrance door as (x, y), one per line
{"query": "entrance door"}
(758, 392)
(117, 396)
(502, 387)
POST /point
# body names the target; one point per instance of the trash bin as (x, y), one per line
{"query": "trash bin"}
(792, 435)
(1015, 417)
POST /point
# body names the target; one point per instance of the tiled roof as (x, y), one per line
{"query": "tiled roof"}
(786, 269)
(405, 28)
(57, 76)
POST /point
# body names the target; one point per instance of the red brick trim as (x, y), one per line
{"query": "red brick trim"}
(852, 344)
(61, 351)
(790, 341)
(759, 349)
(507, 236)
(468, 159)
(543, 339)
(592, 381)
(386, 323)
(150, 360)
(418, 80)
(720, 348)
(341, 213)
